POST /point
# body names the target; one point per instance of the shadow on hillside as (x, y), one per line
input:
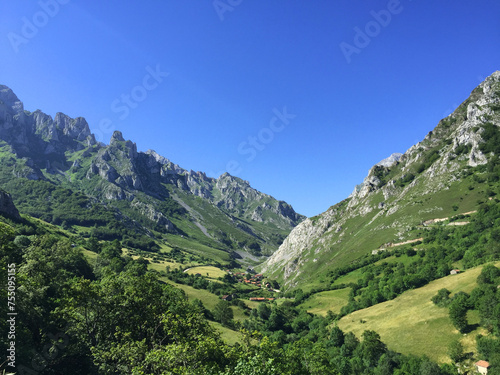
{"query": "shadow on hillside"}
(471, 327)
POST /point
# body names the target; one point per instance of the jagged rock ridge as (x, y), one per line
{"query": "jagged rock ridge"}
(227, 210)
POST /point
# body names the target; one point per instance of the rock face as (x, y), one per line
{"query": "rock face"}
(397, 194)
(7, 206)
(31, 134)
(390, 161)
(144, 185)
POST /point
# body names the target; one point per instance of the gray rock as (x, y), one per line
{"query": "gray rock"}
(7, 206)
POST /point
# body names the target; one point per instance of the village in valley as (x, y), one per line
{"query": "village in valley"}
(256, 280)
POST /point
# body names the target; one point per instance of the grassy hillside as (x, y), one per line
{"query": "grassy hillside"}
(321, 303)
(209, 271)
(412, 324)
(362, 234)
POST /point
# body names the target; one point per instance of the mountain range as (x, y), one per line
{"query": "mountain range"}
(57, 171)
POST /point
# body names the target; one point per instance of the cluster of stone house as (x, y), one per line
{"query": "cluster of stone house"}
(255, 280)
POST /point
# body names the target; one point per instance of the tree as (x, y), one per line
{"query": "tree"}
(371, 348)
(429, 368)
(487, 346)
(351, 342)
(488, 275)
(264, 311)
(456, 351)
(94, 245)
(223, 313)
(336, 337)
(276, 320)
(22, 241)
(386, 364)
(458, 311)
(442, 298)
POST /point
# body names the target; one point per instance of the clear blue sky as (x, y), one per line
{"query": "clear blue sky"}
(356, 98)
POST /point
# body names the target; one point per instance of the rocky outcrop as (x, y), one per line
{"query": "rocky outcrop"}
(7, 206)
(152, 214)
(165, 166)
(390, 161)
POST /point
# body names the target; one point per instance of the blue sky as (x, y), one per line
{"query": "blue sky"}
(300, 98)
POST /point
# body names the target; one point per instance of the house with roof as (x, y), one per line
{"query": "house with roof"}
(454, 272)
(482, 367)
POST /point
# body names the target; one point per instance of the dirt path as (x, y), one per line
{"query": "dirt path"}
(432, 221)
(406, 242)
(427, 222)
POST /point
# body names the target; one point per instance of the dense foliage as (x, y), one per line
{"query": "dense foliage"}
(69, 209)
(115, 317)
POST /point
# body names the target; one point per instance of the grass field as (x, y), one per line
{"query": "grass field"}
(208, 299)
(207, 271)
(321, 302)
(90, 255)
(351, 277)
(412, 324)
(228, 335)
(162, 265)
(199, 249)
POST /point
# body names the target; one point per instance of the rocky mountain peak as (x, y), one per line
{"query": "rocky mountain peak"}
(371, 181)
(76, 128)
(151, 188)
(168, 166)
(488, 84)
(130, 147)
(10, 99)
(116, 137)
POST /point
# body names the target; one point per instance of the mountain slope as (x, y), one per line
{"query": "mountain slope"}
(445, 174)
(411, 323)
(56, 171)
